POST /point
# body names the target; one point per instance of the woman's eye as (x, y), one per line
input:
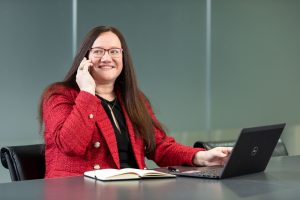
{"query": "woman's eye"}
(98, 51)
(114, 51)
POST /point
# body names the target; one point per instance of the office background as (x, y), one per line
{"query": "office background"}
(209, 67)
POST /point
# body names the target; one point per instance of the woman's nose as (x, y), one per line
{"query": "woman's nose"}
(106, 57)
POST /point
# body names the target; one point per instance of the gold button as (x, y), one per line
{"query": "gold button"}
(91, 116)
(96, 166)
(97, 144)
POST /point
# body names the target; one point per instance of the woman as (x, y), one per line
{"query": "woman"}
(98, 118)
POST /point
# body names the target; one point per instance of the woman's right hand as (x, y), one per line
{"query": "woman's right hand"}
(84, 79)
(215, 156)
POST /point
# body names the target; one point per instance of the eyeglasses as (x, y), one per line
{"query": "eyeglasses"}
(98, 52)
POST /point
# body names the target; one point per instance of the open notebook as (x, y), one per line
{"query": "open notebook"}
(125, 174)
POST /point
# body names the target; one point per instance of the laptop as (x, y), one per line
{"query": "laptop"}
(251, 154)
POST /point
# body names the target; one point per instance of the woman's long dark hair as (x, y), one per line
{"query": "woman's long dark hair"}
(126, 83)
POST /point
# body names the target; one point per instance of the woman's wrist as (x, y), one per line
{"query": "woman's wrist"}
(198, 158)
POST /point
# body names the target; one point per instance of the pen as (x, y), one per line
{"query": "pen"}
(173, 169)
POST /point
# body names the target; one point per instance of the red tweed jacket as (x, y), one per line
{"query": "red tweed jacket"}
(79, 137)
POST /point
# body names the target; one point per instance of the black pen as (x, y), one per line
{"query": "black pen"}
(173, 169)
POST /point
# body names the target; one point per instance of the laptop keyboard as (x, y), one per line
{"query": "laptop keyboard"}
(214, 171)
(209, 172)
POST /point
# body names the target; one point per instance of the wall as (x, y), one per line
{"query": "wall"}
(255, 63)
(35, 50)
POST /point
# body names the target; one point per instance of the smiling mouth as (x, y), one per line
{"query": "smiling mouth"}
(105, 67)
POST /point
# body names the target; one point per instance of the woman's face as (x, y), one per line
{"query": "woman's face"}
(107, 68)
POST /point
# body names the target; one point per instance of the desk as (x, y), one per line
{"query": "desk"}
(281, 180)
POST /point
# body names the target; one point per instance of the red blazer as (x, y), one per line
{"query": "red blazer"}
(79, 137)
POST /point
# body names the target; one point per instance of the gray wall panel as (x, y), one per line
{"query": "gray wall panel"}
(35, 50)
(255, 63)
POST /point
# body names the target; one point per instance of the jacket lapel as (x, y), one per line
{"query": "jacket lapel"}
(135, 141)
(108, 133)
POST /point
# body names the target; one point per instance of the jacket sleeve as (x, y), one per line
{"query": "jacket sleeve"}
(69, 121)
(167, 151)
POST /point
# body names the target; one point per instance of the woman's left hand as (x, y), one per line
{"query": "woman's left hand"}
(215, 156)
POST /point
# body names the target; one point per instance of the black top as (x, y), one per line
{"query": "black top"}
(124, 147)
